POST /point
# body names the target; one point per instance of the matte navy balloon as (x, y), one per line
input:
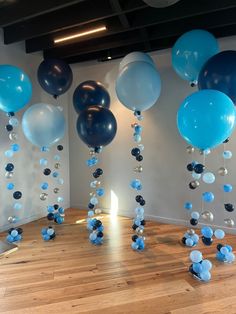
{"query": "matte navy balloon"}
(90, 93)
(219, 73)
(55, 76)
(96, 126)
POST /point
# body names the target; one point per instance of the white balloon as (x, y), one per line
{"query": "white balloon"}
(208, 177)
(160, 3)
(135, 56)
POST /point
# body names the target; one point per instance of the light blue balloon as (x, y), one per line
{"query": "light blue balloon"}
(46, 237)
(207, 232)
(208, 197)
(9, 153)
(10, 186)
(227, 154)
(50, 209)
(15, 88)
(134, 57)
(134, 246)
(191, 51)
(206, 151)
(205, 276)
(137, 138)
(139, 211)
(43, 162)
(60, 181)
(15, 147)
(55, 174)
(219, 234)
(43, 124)
(14, 233)
(50, 231)
(57, 158)
(195, 215)
(229, 247)
(220, 257)
(44, 186)
(189, 242)
(93, 236)
(227, 188)
(195, 238)
(90, 213)
(196, 256)
(197, 267)
(208, 177)
(60, 199)
(61, 210)
(94, 201)
(138, 86)
(206, 265)
(230, 257)
(224, 250)
(206, 118)
(60, 220)
(10, 238)
(100, 192)
(196, 176)
(17, 206)
(14, 121)
(188, 205)
(18, 237)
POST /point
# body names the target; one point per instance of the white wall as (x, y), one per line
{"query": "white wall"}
(27, 173)
(165, 178)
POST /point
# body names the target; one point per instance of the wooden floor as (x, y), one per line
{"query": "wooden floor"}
(69, 275)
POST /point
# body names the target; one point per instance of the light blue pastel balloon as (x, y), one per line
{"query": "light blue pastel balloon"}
(205, 275)
(61, 210)
(208, 177)
(137, 138)
(134, 57)
(10, 238)
(230, 257)
(206, 265)
(189, 242)
(15, 88)
(208, 197)
(57, 158)
(227, 154)
(196, 176)
(191, 51)
(14, 121)
(43, 124)
(17, 206)
(50, 209)
(44, 186)
(206, 118)
(9, 153)
(50, 231)
(227, 188)
(195, 238)
(46, 237)
(60, 199)
(14, 233)
(55, 174)
(43, 162)
(220, 257)
(219, 234)
(197, 267)
(15, 147)
(196, 256)
(207, 232)
(229, 247)
(60, 181)
(93, 236)
(195, 215)
(188, 205)
(224, 250)
(10, 186)
(138, 86)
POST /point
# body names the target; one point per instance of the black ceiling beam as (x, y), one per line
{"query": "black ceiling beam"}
(152, 17)
(207, 21)
(115, 4)
(25, 9)
(83, 13)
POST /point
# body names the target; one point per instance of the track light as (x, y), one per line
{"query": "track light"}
(81, 34)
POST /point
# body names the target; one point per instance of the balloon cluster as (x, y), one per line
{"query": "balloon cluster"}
(207, 235)
(138, 88)
(200, 268)
(225, 253)
(14, 235)
(96, 127)
(48, 233)
(190, 238)
(56, 213)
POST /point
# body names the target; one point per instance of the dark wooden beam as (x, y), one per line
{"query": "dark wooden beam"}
(27, 9)
(115, 4)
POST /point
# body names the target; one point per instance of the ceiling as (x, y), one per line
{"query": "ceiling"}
(131, 25)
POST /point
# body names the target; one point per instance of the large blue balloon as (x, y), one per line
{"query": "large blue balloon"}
(219, 72)
(55, 76)
(191, 51)
(96, 126)
(90, 93)
(15, 88)
(206, 118)
(134, 57)
(43, 124)
(138, 86)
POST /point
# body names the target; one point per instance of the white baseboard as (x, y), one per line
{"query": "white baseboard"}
(161, 219)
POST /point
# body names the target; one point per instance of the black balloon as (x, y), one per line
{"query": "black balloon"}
(229, 207)
(138, 198)
(207, 241)
(96, 126)
(17, 195)
(142, 203)
(50, 216)
(143, 222)
(99, 171)
(184, 240)
(134, 237)
(139, 158)
(46, 172)
(9, 127)
(20, 230)
(226, 141)
(193, 222)
(135, 151)
(192, 271)
(90, 93)
(192, 187)
(199, 168)
(190, 167)
(100, 234)
(55, 76)
(56, 206)
(9, 167)
(134, 227)
(59, 147)
(90, 206)
(219, 246)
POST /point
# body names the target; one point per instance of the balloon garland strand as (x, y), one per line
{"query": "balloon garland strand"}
(138, 240)
(95, 225)
(14, 234)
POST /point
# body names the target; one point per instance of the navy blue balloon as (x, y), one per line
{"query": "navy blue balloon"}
(90, 93)
(96, 126)
(55, 76)
(219, 73)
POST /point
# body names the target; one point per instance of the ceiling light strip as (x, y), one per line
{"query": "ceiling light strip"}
(86, 33)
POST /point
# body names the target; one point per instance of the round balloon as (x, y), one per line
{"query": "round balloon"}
(206, 118)
(219, 73)
(90, 93)
(43, 124)
(138, 86)
(191, 51)
(160, 3)
(96, 126)
(15, 88)
(55, 76)
(134, 57)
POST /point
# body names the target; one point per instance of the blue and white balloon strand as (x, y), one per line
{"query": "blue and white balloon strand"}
(138, 240)
(95, 225)
(14, 234)
(200, 268)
